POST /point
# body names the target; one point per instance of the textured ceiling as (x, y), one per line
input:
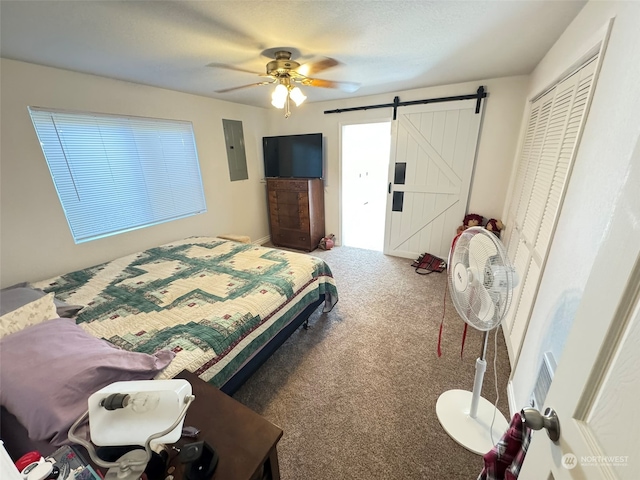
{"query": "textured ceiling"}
(385, 46)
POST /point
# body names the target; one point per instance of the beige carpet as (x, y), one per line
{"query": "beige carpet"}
(356, 393)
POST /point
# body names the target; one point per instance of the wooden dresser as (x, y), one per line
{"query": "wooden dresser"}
(296, 212)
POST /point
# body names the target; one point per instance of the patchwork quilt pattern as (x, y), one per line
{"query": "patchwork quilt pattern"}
(213, 302)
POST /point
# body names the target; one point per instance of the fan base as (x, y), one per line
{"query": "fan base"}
(474, 434)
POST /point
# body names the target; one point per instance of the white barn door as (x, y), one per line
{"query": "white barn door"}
(433, 150)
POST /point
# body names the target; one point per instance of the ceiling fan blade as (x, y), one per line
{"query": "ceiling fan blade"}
(243, 86)
(312, 68)
(344, 86)
(231, 67)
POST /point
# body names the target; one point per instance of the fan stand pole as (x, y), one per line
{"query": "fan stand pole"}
(481, 367)
(467, 417)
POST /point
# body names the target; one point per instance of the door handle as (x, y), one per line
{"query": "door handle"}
(536, 421)
(389, 187)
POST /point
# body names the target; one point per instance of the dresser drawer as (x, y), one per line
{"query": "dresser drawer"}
(301, 241)
(289, 238)
(293, 222)
(288, 185)
(281, 198)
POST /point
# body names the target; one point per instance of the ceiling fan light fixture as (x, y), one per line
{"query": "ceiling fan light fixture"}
(285, 74)
(297, 96)
(279, 96)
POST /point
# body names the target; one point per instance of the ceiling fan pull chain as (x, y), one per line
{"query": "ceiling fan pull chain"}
(287, 112)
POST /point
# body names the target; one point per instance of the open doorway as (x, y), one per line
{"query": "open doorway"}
(365, 163)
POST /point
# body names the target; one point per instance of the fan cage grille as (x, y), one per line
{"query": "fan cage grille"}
(490, 278)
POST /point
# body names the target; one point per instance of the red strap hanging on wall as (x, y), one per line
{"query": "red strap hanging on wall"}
(444, 306)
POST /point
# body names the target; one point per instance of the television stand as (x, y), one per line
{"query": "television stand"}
(296, 212)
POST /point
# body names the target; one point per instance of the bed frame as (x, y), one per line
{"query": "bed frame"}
(237, 380)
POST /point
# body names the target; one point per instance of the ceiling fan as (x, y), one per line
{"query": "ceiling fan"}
(286, 74)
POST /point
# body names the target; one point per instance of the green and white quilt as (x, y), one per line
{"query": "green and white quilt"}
(213, 302)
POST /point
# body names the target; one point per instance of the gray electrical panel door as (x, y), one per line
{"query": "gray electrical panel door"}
(234, 138)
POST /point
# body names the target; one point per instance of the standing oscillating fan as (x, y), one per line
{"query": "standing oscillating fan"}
(481, 280)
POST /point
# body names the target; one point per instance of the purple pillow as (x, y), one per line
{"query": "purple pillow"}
(49, 371)
(12, 298)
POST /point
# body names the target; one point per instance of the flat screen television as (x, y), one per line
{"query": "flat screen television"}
(293, 156)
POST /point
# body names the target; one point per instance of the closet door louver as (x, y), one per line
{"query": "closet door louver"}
(552, 135)
(567, 148)
(518, 243)
(523, 164)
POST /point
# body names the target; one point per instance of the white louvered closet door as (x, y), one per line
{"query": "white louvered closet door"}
(551, 139)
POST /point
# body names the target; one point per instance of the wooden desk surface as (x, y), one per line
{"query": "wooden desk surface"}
(243, 439)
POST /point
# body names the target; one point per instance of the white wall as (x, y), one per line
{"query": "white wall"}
(496, 149)
(35, 239)
(611, 132)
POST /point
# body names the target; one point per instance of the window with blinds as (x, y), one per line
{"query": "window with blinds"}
(115, 174)
(550, 142)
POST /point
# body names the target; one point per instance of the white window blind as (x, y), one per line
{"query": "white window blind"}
(114, 174)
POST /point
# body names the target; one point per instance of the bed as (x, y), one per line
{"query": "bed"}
(221, 307)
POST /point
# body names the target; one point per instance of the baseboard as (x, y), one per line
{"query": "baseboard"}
(262, 241)
(511, 398)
